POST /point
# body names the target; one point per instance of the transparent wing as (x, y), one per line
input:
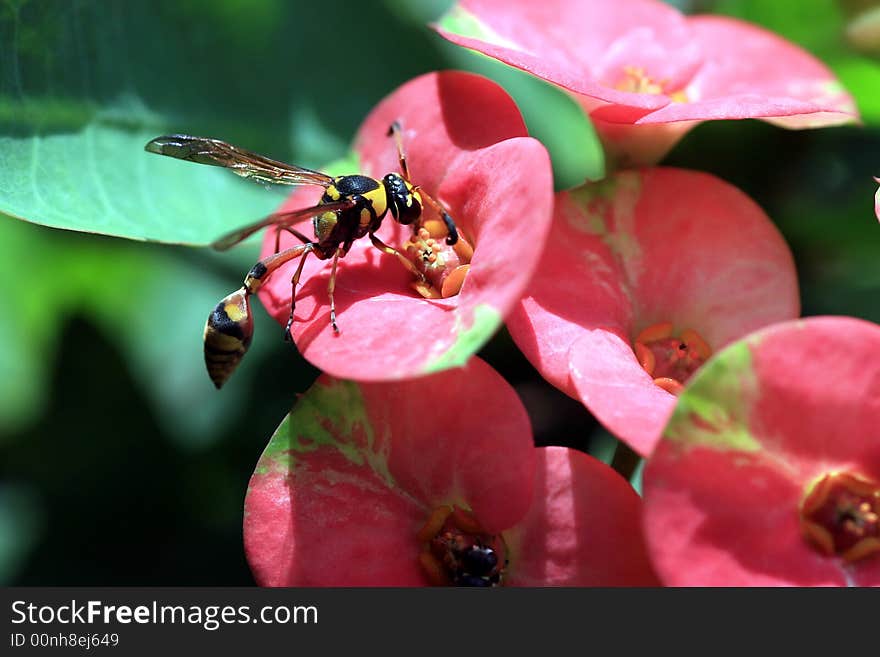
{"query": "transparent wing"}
(279, 219)
(242, 162)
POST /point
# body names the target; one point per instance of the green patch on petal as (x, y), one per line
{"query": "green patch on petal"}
(469, 340)
(329, 415)
(588, 194)
(462, 22)
(713, 411)
(607, 209)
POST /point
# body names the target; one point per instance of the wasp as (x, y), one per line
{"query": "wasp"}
(352, 206)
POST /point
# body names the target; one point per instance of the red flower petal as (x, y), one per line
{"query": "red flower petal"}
(647, 247)
(349, 478)
(451, 123)
(760, 422)
(583, 528)
(749, 72)
(641, 62)
(608, 379)
(583, 45)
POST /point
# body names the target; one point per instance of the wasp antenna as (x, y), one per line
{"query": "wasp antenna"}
(452, 238)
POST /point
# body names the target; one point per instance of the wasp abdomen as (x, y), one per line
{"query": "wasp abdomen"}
(228, 334)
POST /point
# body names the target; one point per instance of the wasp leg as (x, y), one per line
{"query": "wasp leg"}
(452, 237)
(298, 235)
(309, 248)
(394, 129)
(331, 287)
(390, 250)
(452, 231)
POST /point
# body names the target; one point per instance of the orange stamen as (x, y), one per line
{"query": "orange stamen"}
(434, 523)
(670, 359)
(463, 249)
(696, 342)
(466, 521)
(426, 290)
(433, 569)
(671, 386)
(645, 357)
(820, 536)
(655, 332)
(452, 284)
(862, 549)
(433, 228)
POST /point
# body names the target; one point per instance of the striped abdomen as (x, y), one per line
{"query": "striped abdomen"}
(228, 334)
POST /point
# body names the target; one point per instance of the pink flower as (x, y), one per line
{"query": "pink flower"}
(877, 200)
(646, 74)
(466, 146)
(768, 473)
(644, 276)
(434, 481)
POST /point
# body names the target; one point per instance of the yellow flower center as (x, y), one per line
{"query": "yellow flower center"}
(635, 80)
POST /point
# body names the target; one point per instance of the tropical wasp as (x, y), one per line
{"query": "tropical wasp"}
(352, 206)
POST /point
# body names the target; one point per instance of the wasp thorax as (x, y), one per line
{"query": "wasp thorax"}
(228, 334)
(457, 552)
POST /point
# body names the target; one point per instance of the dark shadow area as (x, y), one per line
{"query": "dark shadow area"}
(556, 418)
(121, 504)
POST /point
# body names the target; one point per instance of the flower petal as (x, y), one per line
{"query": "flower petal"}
(637, 64)
(581, 45)
(444, 117)
(583, 528)
(610, 382)
(877, 200)
(450, 124)
(351, 475)
(749, 72)
(323, 521)
(460, 436)
(757, 424)
(646, 247)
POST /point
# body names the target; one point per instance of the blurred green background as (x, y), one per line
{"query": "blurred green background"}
(119, 462)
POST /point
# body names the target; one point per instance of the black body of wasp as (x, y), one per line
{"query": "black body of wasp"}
(351, 207)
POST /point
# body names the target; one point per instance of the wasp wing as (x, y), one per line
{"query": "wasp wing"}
(240, 161)
(279, 219)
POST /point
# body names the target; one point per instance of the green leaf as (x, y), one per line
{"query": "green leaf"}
(100, 180)
(74, 121)
(84, 84)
